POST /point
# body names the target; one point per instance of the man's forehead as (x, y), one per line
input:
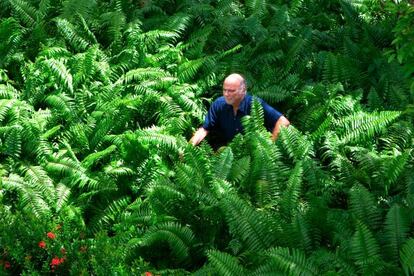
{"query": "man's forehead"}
(232, 80)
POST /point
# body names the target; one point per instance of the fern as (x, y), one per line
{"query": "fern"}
(25, 11)
(110, 215)
(396, 231)
(362, 127)
(30, 196)
(291, 261)
(407, 256)
(364, 207)
(257, 7)
(223, 164)
(68, 31)
(39, 179)
(179, 238)
(60, 72)
(13, 142)
(289, 203)
(62, 196)
(225, 264)
(365, 250)
(296, 145)
(243, 221)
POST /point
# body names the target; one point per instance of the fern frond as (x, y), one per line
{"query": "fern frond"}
(110, 215)
(365, 250)
(30, 198)
(72, 8)
(13, 143)
(361, 127)
(187, 70)
(11, 36)
(5, 106)
(292, 261)
(289, 203)
(397, 226)
(164, 195)
(61, 103)
(25, 11)
(39, 178)
(179, 238)
(243, 222)
(68, 31)
(165, 141)
(394, 167)
(301, 235)
(223, 164)
(8, 92)
(60, 72)
(364, 207)
(141, 74)
(407, 256)
(296, 145)
(256, 7)
(225, 264)
(92, 158)
(62, 196)
(239, 169)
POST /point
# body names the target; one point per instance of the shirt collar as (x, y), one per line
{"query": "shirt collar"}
(242, 106)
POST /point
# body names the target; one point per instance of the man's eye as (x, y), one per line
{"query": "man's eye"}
(229, 91)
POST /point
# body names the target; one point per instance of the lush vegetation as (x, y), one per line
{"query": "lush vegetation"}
(99, 98)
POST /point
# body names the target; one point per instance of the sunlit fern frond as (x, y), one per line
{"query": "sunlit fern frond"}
(295, 144)
(31, 199)
(60, 72)
(361, 127)
(70, 34)
(94, 157)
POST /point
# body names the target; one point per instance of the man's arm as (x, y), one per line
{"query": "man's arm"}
(282, 121)
(198, 136)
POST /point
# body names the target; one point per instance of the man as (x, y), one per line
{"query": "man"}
(225, 112)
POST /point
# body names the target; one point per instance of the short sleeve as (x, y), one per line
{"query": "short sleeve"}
(210, 122)
(271, 115)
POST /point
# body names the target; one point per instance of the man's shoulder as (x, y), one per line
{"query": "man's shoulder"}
(220, 102)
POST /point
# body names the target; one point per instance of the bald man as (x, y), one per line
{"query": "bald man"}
(224, 115)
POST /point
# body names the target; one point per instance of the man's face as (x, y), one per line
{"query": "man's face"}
(233, 91)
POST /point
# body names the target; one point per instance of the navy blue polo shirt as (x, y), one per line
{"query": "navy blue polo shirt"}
(221, 118)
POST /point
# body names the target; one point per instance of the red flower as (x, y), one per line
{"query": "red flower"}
(55, 261)
(147, 273)
(50, 235)
(7, 265)
(42, 244)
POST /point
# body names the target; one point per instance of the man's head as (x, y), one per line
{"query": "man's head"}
(234, 89)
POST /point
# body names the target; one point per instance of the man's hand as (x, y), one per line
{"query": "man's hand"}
(198, 136)
(282, 121)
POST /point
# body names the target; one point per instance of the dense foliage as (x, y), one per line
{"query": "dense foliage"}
(99, 98)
